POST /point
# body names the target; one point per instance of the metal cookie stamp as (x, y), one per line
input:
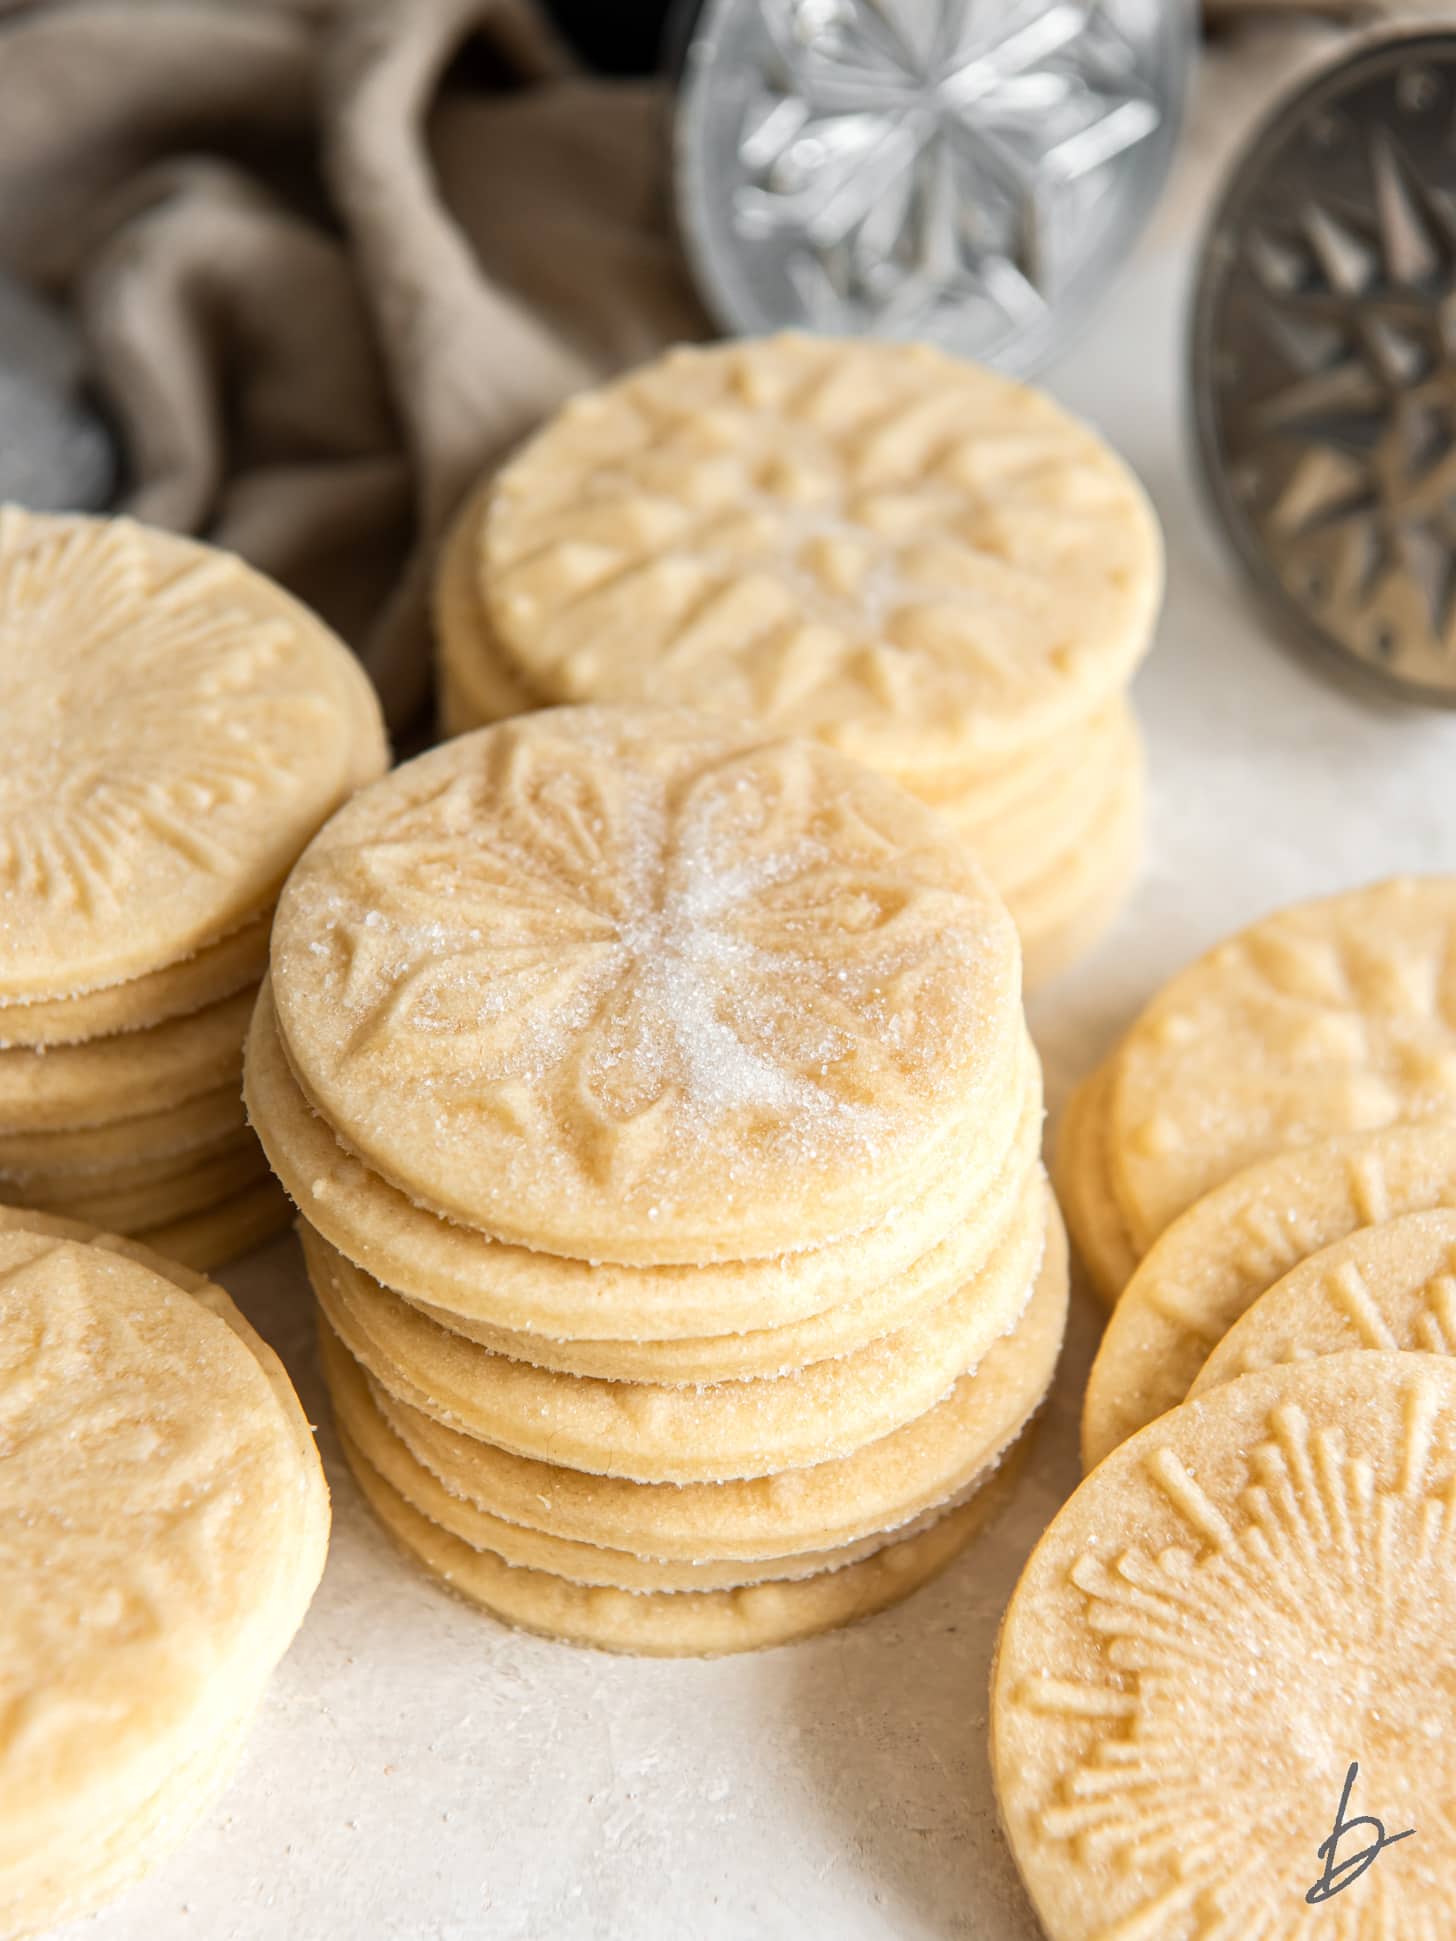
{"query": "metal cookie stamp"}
(1324, 360)
(970, 171)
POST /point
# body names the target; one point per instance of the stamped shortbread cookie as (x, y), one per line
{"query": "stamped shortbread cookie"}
(873, 544)
(157, 1465)
(713, 1432)
(1213, 1694)
(1385, 1287)
(625, 985)
(883, 1486)
(1234, 1244)
(1332, 1017)
(914, 559)
(176, 728)
(210, 724)
(439, 1263)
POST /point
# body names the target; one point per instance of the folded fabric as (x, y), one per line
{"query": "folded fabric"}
(331, 261)
(330, 264)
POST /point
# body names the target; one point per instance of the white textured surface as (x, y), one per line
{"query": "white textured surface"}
(420, 1772)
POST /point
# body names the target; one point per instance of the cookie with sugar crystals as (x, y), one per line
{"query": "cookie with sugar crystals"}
(882, 1486)
(73, 1086)
(361, 1422)
(225, 1229)
(1249, 1599)
(625, 984)
(216, 971)
(908, 557)
(139, 1136)
(1331, 1017)
(176, 727)
(849, 1324)
(1061, 911)
(439, 1263)
(157, 1462)
(1086, 1190)
(714, 1432)
(1386, 1287)
(176, 1191)
(1234, 1244)
(683, 1624)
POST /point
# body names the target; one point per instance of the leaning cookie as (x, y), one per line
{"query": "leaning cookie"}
(157, 1461)
(1222, 1652)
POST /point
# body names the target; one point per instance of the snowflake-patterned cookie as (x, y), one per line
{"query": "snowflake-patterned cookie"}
(1334, 1016)
(917, 561)
(175, 728)
(1219, 1703)
(624, 984)
(1233, 1245)
(163, 1520)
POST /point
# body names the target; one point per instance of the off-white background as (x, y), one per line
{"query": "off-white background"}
(420, 1772)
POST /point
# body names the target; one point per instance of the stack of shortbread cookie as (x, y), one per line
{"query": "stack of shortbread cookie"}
(1212, 1706)
(163, 1523)
(1332, 1017)
(176, 728)
(909, 558)
(1269, 1161)
(661, 1111)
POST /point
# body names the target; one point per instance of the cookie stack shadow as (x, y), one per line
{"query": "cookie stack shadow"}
(916, 560)
(177, 728)
(561, 1379)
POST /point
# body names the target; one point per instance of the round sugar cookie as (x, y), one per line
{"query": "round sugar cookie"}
(92, 1866)
(1331, 1017)
(136, 1072)
(219, 1233)
(1068, 867)
(145, 1138)
(1063, 911)
(683, 1624)
(142, 1170)
(1253, 1595)
(477, 687)
(1385, 1287)
(31, 1224)
(713, 1433)
(1062, 814)
(163, 1521)
(176, 728)
(436, 1262)
(1085, 1190)
(1228, 1249)
(1009, 809)
(360, 1420)
(216, 971)
(874, 544)
(851, 1324)
(1054, 771)
(883, 1486)
(625, 985)
(173, 1194)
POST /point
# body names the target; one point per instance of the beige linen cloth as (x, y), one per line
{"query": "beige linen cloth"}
(331, 261)
(330, 265)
